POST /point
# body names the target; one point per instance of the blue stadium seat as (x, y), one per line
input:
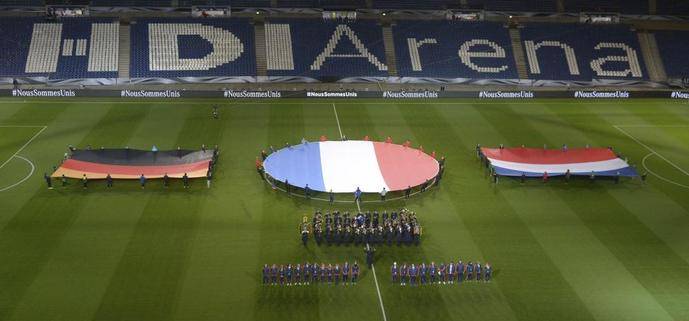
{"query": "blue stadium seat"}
(623, 6)
(673, 48)
(413, 4)
(22, 3)
(192, 48)
(326, 50)
(520, 5)
(65, 49)
(672, 7)
(449, 49)
(297, 3)
(582, 52)
(131, 3)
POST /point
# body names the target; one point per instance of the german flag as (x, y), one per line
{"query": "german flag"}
(131, 163)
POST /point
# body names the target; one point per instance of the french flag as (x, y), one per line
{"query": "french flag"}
(534, 162)
(344, 166)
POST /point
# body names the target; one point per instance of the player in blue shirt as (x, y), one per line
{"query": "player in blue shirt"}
(423, 270)
(321, 271)
(306, 274)
(337, 273)
(297, 274)
(412, 274)
(489, 272)
(274, 274)
(470, 271)
(478, 271)
(432, 271)
(394, 271)
(403, 274)
(355, 272)
(345, 273)
(288, 274)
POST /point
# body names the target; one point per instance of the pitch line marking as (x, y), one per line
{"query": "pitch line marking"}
(651, 150)
(33, 168)
(651, 126)
(338, 122)
(375, 279)
(24, 146)
(21, 126)
(643, 163)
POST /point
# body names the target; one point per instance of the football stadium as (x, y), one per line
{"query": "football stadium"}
(378, 160)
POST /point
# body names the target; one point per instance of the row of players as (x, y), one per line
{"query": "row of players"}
(441, 274)
(400, 227)
(304, 274)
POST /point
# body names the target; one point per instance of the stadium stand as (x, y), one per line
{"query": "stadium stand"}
(622, 6)
(65, 49)
(673, 47)
(326, 50)
(513, 5)
(297, 3)
(672, 7)
(181, 3)
(418, 5)
(582, 52)
(192, 48)
(325, 4)
(448, 49)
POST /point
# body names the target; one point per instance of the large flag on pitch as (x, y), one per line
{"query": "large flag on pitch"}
(536, 161)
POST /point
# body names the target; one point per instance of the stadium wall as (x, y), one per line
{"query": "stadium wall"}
(390, 94)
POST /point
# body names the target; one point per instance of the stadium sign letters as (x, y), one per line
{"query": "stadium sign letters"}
(601, 94)
(331, 94)
(150, 93)
(43, 93)
(679, 95)
(252, 94)
(410, 94)
(506, 94)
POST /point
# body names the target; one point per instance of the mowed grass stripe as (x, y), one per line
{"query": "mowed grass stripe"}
(670, 223)
(526, 275)
(146, 282)
(557, 226)
(397, 297)
(93, 245)
(633, 150)
(277, 229)
(42, 217)
(220, 282)
(445, 236)
(653, 263)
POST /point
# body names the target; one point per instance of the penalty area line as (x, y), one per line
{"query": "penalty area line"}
(23, 146)
(651, 149)
(33, 169)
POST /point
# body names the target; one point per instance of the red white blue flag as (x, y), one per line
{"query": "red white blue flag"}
(537, 161)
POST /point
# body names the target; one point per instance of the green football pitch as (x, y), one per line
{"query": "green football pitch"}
(577, 251)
